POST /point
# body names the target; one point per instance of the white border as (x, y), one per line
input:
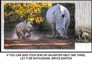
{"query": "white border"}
(78, 46)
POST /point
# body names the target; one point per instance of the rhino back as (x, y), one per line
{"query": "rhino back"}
(49, 15)
(20, 27)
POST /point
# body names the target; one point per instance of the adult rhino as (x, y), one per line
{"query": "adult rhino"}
(24, 28)
(58, 17)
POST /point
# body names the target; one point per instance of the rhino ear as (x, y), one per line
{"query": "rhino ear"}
(26, 21)
(58, 4)
(54, 13)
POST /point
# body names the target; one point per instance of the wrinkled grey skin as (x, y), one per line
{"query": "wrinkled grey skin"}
(22, 28)
(58, 18)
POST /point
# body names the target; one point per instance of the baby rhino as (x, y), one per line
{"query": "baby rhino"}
(24, 30)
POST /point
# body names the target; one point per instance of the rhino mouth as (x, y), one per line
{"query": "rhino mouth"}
(60, 31)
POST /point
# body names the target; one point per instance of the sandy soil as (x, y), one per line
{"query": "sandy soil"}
(39, 41)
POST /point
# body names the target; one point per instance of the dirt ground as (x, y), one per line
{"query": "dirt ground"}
(38, 41)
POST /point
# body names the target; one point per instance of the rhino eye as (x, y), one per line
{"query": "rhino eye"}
(63, 15)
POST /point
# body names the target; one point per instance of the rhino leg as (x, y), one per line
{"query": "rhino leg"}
(20, 34)
(65, 31)
(29, 35)
(23, 34)
(53, 30)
